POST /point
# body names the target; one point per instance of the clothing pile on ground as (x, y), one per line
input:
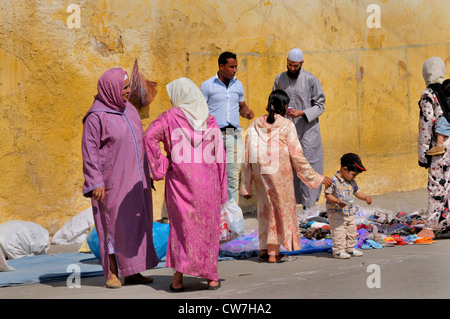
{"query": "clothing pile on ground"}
(376, 227)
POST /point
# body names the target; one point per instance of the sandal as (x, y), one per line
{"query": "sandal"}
(214, 287)
(176, 289)
(390, 242)
(399, 240)
(263, 257)
(281, 258)
(113, 282)
(425, 241)
(411, 239)
(373, 244)
(137, 279)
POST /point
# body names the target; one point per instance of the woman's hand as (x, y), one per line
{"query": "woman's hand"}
(99, 194)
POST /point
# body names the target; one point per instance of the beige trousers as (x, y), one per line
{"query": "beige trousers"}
(343, 232)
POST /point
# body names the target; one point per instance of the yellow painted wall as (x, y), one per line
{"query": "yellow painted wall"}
(371, 77)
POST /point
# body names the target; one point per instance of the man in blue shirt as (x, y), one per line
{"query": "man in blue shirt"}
(225, 96)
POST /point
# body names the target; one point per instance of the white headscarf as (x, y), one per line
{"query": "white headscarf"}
(433, 70)
(186, 95)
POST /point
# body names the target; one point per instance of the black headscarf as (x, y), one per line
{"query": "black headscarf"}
(442, 98)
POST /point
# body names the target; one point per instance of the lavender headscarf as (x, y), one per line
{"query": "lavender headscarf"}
(110, 87)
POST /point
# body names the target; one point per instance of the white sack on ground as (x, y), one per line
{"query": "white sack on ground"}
(19, 238)
(76, 230)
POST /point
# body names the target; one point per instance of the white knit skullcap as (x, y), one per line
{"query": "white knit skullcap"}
(295, 55)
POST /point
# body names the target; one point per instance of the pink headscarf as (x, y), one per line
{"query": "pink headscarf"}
(110, 87)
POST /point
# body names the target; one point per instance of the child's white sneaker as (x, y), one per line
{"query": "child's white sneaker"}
(342, 255)
(356, 253)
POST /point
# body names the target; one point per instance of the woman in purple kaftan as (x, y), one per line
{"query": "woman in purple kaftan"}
(117, 178)
(195, 181)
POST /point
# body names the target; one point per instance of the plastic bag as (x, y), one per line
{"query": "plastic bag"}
(231, 221)
(92, 241)
(19, 238)
(142, 91)
(160, 240)
(75, 230)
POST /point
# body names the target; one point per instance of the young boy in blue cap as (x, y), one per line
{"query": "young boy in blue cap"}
(340, 210)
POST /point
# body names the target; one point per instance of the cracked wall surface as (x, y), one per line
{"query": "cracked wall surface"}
(371, 77)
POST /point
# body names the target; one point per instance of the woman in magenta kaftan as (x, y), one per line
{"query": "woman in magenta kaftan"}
(195, 181)
(117, 178)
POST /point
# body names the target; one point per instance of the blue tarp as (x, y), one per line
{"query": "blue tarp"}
(49, 268)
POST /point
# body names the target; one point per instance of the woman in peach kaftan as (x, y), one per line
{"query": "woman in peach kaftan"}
(272, 150)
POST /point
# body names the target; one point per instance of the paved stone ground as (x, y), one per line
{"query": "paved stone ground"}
(400, 272)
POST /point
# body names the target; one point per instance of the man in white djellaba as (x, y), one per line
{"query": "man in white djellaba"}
(307, 103)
